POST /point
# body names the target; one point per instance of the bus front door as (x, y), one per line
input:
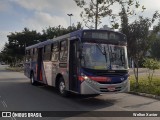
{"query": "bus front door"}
(73, 66)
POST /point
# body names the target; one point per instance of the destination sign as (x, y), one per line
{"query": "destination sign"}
(104, 35)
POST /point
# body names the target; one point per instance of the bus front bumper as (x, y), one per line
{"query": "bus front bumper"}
(93, 87)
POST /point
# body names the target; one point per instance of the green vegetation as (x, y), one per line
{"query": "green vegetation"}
(14, 50)
(145, 86)
(138, 41)
(155, 52)
(139, 38)
(151, 65)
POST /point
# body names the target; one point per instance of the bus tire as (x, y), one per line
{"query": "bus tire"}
(62, 87)
(33, 82)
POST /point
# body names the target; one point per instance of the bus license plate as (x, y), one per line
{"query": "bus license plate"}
(111, 89)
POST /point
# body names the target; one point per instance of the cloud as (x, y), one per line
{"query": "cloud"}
(5, 6)
(151, 4)
(46, 13)
(47, 5)
(49, 12)
(41, 20)
(33, 4)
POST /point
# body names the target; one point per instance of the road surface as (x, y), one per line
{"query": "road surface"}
(16, 94)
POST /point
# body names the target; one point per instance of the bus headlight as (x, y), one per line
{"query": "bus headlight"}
(87, 79)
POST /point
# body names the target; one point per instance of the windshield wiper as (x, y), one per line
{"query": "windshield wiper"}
(122, 56)
(100, 48)
(110, 55)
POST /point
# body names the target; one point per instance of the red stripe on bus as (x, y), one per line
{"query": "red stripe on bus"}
(98, 79)
(81, 78)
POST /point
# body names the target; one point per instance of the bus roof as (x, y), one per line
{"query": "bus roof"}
(77, 33)
(72, 35)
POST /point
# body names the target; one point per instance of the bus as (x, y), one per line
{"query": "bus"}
(84, 62)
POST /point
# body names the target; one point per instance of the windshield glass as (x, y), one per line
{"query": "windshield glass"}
(104, 56)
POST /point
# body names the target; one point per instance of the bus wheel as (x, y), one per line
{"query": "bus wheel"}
(62, 88)
(33, 82)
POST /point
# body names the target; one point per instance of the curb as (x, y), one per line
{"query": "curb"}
(145, 95)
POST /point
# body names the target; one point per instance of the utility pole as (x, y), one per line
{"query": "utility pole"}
(96, 17)
(70, 15)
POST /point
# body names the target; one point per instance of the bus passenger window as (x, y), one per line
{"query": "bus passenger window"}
(55, 52)
(34, 54)
(63, 51)
(47, 53)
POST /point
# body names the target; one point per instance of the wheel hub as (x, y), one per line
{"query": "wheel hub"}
(62, 87)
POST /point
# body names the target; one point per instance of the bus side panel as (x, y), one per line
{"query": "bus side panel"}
(59, 68)
(33, 68)
(47, 74)
(55, 71)
(27, 69)
(64, 73)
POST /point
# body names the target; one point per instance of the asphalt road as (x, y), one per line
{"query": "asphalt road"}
(16, 94)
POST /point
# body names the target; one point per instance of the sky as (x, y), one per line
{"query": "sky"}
(15, 15)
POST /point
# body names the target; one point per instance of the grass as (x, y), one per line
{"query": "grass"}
(15, 69)
(145, 86)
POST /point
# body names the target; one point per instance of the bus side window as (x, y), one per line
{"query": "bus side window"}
(55, 51)
(47, 53)
(35, 55)
(63, 51)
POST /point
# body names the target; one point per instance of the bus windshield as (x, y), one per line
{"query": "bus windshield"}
(104, 57)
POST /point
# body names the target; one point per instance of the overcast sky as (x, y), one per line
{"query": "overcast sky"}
(39, 14)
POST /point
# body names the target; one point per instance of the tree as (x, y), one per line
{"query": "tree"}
(139, 38)
(52, 32)
(95, 10)
(6, 55)
(14, 50)
(155, 53)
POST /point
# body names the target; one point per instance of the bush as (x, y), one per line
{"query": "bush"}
(151, 65)
(145, 86)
